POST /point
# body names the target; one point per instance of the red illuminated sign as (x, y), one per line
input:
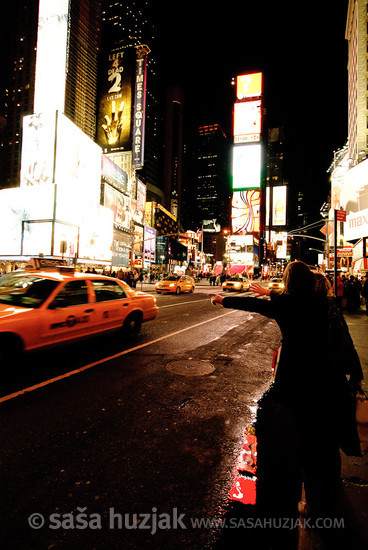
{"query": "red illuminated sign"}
(341, 215)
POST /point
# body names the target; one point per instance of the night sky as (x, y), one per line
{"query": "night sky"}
(300, 48)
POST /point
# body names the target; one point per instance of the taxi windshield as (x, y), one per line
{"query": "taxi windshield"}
(25, 290)
(172, 278)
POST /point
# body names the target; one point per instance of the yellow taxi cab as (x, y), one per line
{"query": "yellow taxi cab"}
(276, 283)
(241, 284)
(45, 305)
(176, 284)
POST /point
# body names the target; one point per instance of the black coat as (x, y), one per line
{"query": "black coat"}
(311, 373)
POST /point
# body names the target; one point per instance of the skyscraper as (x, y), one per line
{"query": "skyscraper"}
(356, 35)
(18, 78)
(207, 189)
(77, 23)
(126, 25)
(173, 154)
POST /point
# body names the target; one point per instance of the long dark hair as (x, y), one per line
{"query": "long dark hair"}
(299, 279)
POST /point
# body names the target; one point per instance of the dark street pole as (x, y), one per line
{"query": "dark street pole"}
(335, 253)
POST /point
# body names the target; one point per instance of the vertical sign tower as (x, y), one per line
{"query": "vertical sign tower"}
(243, 244)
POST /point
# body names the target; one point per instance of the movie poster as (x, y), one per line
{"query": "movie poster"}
(115, 102)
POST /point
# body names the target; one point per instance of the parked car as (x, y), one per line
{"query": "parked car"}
(238, 283)
(44, 307)
(175, 284)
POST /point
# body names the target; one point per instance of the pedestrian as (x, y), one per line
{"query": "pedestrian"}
(339, 290)
(365, 292)
(352, 293)
(310, 390)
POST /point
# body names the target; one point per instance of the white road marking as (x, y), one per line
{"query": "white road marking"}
(106, 359)
(185, 303)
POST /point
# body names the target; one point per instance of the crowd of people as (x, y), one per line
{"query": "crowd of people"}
(351, 291)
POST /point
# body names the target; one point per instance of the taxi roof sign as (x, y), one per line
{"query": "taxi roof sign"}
(45, 263)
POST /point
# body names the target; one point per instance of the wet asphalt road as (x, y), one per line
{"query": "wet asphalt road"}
(96, 452)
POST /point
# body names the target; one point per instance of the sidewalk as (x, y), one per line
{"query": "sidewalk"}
(354, 471)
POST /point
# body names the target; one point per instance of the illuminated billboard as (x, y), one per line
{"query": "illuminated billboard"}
(115, 102)
(139, 108)
(120, 205)
(77, 171)
(247, 166)
(38, 149)
(51, 59)
(248, 85)
(279, 205)
(245, 212)
(140, 206)
(280, 242)
(247, 121)
(149, 245)
(18, 205)
(113, 174)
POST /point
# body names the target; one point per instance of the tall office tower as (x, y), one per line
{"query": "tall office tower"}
(67, 73)
(18, 61)
(83, 52)
(276, 181)
(173, 151)
(356, 34)
(207, 189)
(127, 24)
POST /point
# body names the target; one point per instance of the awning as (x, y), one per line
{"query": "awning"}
(237, 269)
(217, 270)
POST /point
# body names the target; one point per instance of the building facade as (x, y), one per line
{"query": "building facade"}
(356, 35)
(127, 25)
(78, 102)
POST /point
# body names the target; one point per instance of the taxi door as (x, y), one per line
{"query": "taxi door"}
(112, 304)
(185, 284)
(70, 315)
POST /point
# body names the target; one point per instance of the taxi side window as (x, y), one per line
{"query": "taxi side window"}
(73, 293)
(108, 290)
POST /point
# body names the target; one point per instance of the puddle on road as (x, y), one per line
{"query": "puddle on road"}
(245, 481)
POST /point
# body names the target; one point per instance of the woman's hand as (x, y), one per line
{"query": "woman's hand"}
(216, 299)
(259, 290)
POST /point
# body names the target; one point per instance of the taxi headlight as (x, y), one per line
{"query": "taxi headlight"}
(172, 284)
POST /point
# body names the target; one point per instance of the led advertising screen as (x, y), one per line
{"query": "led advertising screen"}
(139, 109)
(248, 85)
(51, 60)
(246, 167)
(77, 171)
(120, 206)
(38, 147)
(113, 174)
(279, 205)
(247, 121)
(115, 102)
(280, 241)
(96, 234)
(149, 245)
(245, 212)
(19, 205)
